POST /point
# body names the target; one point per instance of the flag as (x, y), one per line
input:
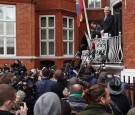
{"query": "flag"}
(79, 7)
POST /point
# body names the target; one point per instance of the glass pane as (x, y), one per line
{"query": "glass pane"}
(91, 3)
(10, 13)
(43, 34)
(43, 22)
(98, 3)
(51, 34)
(51, 21)
(70, 35)
(70, 48)
(64, 22)
(43, 48)
(64, 34)
(70, 23)
(10, 45)
(51, 48)
(65, 48)
(10, 28)
(1, 28)
(1, 12)
(1, 45)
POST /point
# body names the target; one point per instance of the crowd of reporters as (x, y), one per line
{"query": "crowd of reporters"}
(52, 91)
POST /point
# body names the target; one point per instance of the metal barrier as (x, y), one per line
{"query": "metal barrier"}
(130, 89)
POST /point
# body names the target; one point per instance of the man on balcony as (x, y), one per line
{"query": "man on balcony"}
(107, 23)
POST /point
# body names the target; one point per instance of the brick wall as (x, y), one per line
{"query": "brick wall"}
(27, 27)
(128, 23)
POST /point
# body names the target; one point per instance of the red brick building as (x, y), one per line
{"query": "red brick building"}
(45, 32)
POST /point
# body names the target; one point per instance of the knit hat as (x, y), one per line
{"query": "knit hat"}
(48, 104)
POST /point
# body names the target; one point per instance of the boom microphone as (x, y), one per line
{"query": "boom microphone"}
(82, 47)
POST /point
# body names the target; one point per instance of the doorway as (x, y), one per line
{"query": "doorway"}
(46, 64)
(117, 12)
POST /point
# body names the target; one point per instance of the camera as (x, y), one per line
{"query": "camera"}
(17, 105)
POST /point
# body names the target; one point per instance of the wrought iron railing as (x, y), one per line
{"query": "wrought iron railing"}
(108, 49)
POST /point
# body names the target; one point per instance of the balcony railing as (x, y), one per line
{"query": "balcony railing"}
(108, 50)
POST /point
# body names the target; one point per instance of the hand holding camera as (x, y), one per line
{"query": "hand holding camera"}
(23, 109)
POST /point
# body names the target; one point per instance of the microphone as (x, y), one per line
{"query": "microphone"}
(77, 53)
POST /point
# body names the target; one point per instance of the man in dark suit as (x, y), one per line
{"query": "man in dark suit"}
(107, 23)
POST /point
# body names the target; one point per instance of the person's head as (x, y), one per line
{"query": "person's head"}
(115, 86)
(24, 85)
(20, 95)
(99, 94)
(65, 108)
(93, 25)
(51, 73)
(76, 88)
(48, 104)
(7, 97)
(5, 79)
(102, 77)
(73, 80)
(5, 65)
(45, 72)
(107, 10)
(58, 74)
(87, 71)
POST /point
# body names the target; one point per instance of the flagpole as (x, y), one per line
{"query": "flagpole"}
(86, 18)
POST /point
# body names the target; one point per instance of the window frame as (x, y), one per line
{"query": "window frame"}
(47, 34)
(5, 36)
(95, 5)
(68, 41)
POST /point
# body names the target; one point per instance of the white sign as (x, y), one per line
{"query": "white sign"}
(86, 57)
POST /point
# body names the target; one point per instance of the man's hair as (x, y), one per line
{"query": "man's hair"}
(7, 92)
(5, 79)
(107, 7)
(96, 92)
(58, 74)
(45, 72)
(76, 88)
(93, 22)
(65, 107)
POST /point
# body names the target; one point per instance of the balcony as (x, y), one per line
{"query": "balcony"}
(106, 51)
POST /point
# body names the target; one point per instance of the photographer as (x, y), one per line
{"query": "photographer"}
(18, 68)
(27, 85)
(30, 97)
(7, 99)
(6, 68)
(16, 64)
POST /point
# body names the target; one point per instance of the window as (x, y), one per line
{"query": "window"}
(68, 35)
(47, 35)
(7, 30)
(94, 3)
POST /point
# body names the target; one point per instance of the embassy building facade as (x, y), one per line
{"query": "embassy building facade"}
(45, 32)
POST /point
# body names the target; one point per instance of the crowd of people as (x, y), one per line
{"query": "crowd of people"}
(52, 91)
